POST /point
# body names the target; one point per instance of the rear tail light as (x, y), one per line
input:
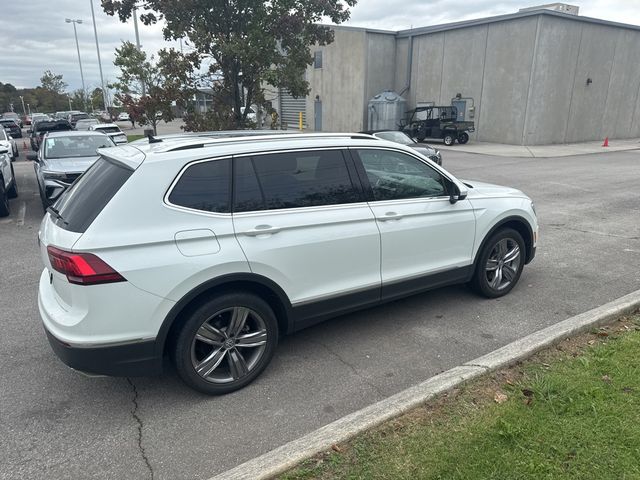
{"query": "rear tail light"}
(82, 268)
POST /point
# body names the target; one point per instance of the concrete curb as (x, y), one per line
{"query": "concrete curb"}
(289, 455)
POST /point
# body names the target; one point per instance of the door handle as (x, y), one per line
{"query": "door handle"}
(262, 230)
(389, 216)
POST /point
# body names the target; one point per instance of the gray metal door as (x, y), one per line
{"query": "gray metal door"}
(461, 105)
(317, 116)
(290, 108)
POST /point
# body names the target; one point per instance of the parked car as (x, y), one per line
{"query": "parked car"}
(14, 129)
(8, 185)
(124, 117)
(39, 117)
(26, 120)
(112, 130)
(38, 130)
(150, 255)
(64, 114)
(13, 116)
(402, 138)
(86, 123)
(440, 121)
(62, 158)
(7, 141)
(74, 117)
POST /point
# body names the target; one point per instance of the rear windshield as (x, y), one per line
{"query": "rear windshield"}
(108, 129)
(79, 206)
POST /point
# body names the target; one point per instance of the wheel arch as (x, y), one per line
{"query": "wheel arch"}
(268, 290)
(520, 225)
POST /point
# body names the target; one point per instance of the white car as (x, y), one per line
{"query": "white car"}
(124, 117)
(111, 129)
(205, 250)
(8, 185)
(8, 142)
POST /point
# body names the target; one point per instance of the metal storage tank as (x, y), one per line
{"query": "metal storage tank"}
(385, 110)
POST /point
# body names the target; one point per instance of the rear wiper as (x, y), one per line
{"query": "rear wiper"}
(54, 211)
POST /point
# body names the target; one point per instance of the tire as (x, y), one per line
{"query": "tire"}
(213, 363)
(463, 138)
(449, 139)
(492, 262)
(13, 188)
(4, 200)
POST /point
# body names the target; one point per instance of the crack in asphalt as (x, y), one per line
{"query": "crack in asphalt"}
(602, 234)
(350, 366)
(136, 417)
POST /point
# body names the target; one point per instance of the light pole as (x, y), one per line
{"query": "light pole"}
(135, 25)
(23, 109)
(95, 31)
(75, 32)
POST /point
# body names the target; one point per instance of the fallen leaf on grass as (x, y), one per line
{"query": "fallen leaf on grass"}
(500, 397)
(527, 393)
(336, 448)
(603, 334)
(591, 342)
(627, 390)
(606, 378)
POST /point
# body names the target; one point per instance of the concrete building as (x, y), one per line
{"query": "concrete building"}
(538, 76)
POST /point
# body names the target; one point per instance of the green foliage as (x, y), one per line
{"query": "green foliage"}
(576, 418)
(245, 42)
(163, 81)
(52, 82)
(39, 99)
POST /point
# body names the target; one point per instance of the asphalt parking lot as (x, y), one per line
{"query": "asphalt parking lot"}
(55, 423)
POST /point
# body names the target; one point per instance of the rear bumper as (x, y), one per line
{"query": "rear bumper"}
(123, 360)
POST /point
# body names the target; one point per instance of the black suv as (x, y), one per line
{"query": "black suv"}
(45, 126)
(12, 127)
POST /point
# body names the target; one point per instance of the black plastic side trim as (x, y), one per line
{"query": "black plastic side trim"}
(129, 360)
(405, 288)
(315, 312)
(312, 313)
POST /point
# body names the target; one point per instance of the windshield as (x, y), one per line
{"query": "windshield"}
(75, 146)
(397, 137)
(108, 129)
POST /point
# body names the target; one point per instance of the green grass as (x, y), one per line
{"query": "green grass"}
(580, 420)
(131, 138)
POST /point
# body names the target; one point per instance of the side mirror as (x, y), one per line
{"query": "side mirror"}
(32, 156)
(457, 193)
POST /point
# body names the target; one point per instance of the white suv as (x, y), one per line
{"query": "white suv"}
(205, 250)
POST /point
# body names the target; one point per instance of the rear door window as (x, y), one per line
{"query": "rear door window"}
(293, 180)
(79, 206)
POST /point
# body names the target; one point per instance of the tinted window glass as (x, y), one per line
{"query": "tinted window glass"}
(395, 175)
(75, 146)
(303, 179)
(204, 186)
(246, 189)
(85, 199)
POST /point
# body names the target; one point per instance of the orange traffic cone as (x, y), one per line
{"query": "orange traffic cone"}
(606, 142)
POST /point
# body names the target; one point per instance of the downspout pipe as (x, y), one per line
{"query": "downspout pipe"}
(407, 85)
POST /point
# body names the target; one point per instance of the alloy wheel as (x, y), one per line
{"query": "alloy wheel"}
(503, 264)
(229, 345)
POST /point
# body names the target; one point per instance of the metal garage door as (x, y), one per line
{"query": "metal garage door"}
(290, 108)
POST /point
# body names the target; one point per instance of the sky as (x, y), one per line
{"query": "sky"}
(36, 38)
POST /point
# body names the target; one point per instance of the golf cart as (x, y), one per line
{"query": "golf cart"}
(436, 122)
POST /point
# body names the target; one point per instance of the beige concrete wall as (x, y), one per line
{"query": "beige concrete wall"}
(340, 82)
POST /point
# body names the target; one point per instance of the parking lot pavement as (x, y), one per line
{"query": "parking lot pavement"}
(55, 423)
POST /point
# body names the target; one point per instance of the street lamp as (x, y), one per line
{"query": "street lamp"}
(23, 109)
(95, 31)
(75, 32)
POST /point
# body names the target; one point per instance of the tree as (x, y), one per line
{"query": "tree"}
(53, 83)
(97, 99)
(165, 80)
(247, 42)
